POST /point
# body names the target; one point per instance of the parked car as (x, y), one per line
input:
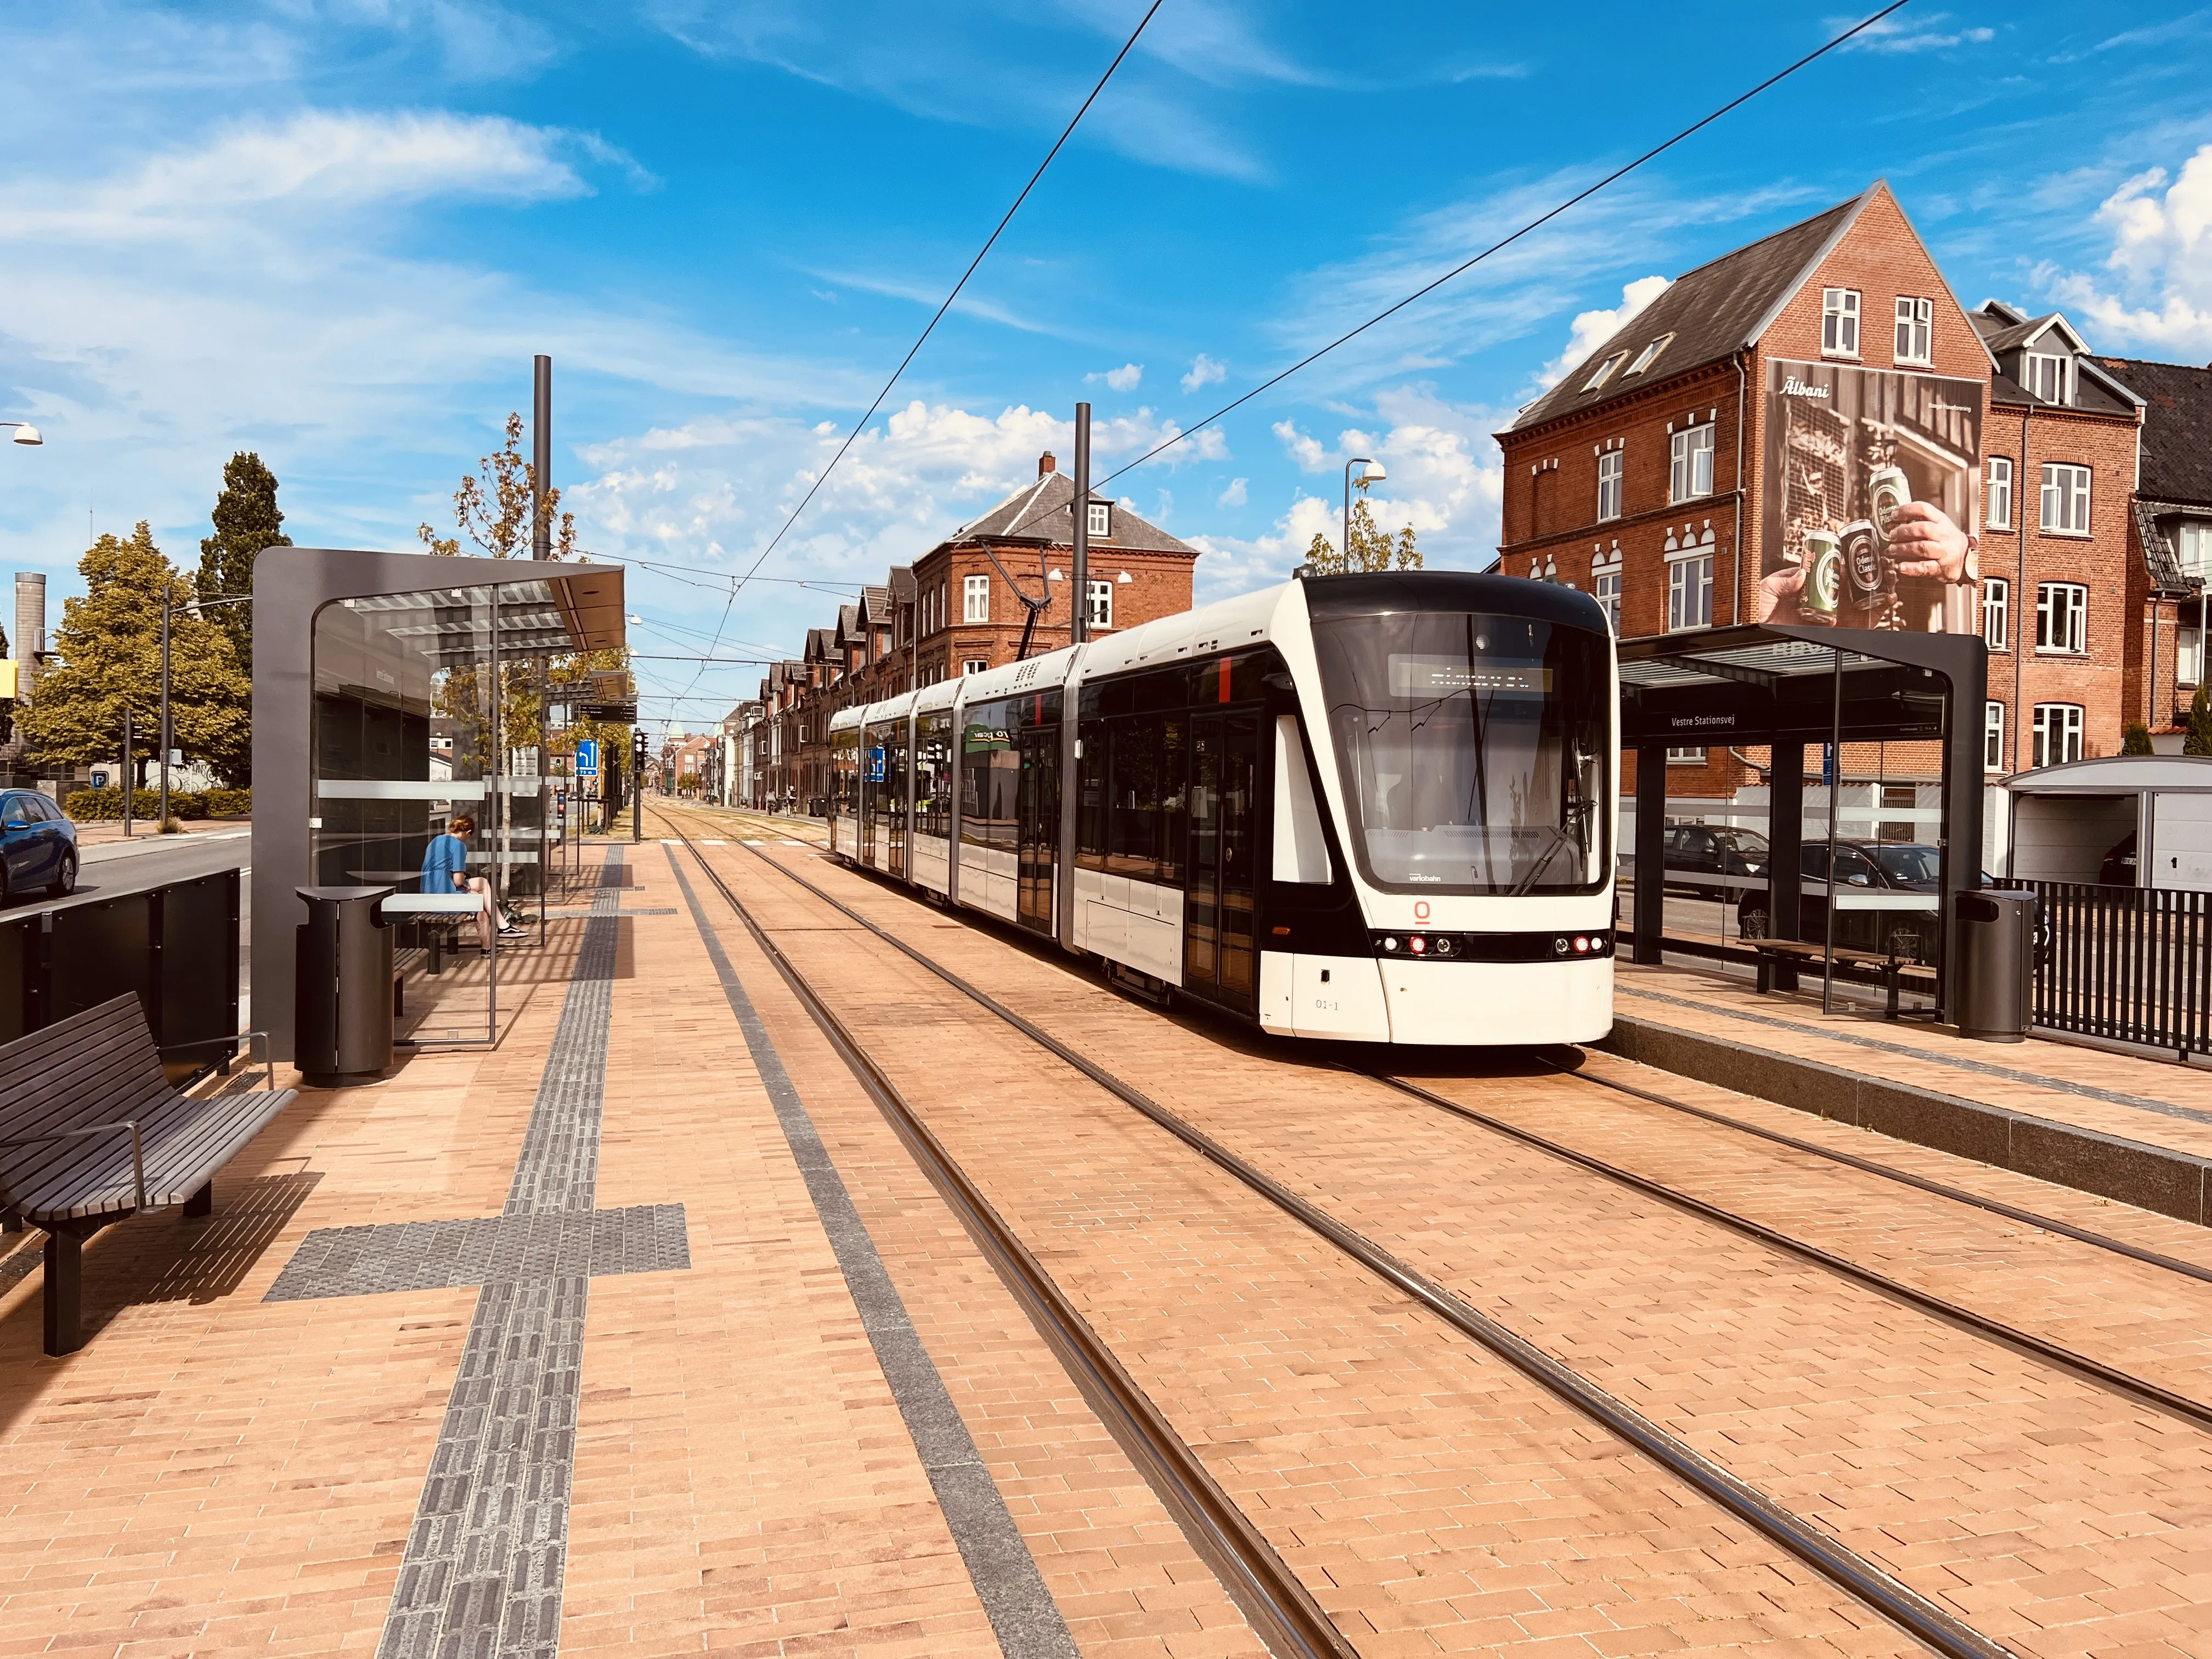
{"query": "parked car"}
(1717, 849)
(1902, 866)
(38, 846)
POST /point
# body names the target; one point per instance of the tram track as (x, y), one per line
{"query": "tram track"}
(1862, 1579)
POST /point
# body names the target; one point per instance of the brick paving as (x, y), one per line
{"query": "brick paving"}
(2051, 1514)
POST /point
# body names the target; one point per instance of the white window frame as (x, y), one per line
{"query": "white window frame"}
(2062, 618)
(1690, 463)
(1999, 513)
(976, 599)
(2065, 744)
(1688, 755)
(1839, 322)
(1612, 467)
(2192, 547)
(1916, 329)
(2187, 650)
(2065, 499)
(974, 665)
(1101, 526)
(1604, 588)
(1101, 597)
(2050, 377)
(1650, 354)
(1993, 736)
(1689, 592)
(1996, 612)
(1605, 371)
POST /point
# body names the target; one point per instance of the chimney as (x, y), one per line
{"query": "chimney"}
(30, 629)
(1048, 464)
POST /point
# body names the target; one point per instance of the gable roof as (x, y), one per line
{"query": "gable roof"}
(2177, 430)
(1717, 309)
(1040, 513)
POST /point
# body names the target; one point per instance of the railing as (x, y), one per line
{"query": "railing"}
(2129, 964)
(175, 945)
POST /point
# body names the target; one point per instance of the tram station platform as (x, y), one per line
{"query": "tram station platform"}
(645, 1329)
(2121, 1126)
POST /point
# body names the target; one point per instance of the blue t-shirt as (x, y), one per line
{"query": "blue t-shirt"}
(445, 857)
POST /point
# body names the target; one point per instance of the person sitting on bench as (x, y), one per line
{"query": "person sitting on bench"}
(445, 869)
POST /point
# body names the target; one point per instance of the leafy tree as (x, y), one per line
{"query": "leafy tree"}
(1371, 549)
(2136, 739)
(247, 520)
(499, 521)
(109, 653)
(2199, 740)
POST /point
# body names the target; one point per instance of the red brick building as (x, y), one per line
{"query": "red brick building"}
(1643, 477)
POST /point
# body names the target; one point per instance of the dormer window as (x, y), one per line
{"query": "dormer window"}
(2051, 379)
(1102, 520)
(1650, 354)
(1605, 371)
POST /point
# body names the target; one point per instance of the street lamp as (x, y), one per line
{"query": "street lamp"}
(25, 431)
(1375, 474)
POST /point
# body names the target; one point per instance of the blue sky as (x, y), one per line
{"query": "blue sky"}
(335, 233)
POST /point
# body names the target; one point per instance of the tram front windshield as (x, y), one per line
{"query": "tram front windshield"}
(1472, 747)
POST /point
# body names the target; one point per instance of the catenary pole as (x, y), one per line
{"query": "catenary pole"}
(541, 455)
(163, 822)
(1079, 594)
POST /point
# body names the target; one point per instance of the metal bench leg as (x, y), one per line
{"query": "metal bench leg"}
(11, 1221)
(64, 1292)
(1765, 976)
(1892, 978)
(200, 1203)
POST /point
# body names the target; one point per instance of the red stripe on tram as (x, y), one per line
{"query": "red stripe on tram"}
(1224, 681)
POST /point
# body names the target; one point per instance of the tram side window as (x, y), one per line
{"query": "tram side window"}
(1091, 797)
(1150, 775)
(845, 775)
(933, 775)
(990, 776)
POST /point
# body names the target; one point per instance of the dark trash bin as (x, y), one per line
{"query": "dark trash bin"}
(1996, 935)
(344, 1029)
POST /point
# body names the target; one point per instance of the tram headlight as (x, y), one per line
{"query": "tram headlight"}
(1582, 943)
(1444, 947)
(1389, 943)
(1559, 945)
(1416, 944)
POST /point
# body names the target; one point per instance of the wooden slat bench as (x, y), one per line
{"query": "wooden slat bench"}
(1894, 971)
(92, 1133)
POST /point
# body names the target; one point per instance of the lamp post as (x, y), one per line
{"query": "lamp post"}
(1373, 475)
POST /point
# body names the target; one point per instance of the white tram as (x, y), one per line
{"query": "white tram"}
(1376, 807)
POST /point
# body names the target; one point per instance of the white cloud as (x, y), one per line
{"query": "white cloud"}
(1124, 378)
(1235, 496)
(2160, 287)
(1204, 371)
(1592, 329)
(1922, 33)
(1301, 447)
(1235, 564)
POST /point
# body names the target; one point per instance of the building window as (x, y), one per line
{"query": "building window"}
(1102, 604)
(2051, 379)
(2000, 512)
(1839, 322)
(2058, 733)
(1605, 587)
(974, 665)
(1916, 321)
(1609, 485)
(1604, 371)
(1690, 469)
(2061, 616)
(1992, 736)
(2188, 654)
(1996, 612)
(2065, 499)
(1102, 520)
(1650, 354)
(1690, 594)
(2192, 544)
(1690, 756)
(977, 590)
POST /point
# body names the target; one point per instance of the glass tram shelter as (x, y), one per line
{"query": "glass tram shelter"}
(392, 693)
(1785, 689)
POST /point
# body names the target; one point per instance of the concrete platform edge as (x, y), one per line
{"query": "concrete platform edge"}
(2155, 1178)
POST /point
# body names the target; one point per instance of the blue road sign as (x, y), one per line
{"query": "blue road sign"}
(588, 757)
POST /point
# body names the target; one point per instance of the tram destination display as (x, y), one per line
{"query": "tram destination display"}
(1874, 490)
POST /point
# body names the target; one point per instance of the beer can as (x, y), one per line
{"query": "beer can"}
(1823, 575)
(1888, 489)
(1861, 556)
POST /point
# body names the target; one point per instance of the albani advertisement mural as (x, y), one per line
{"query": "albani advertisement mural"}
(1873, 480)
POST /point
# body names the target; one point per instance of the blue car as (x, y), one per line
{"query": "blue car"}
(38, 847)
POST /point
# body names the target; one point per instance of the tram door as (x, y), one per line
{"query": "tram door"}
(1218, 960)
(871, 783)
(894, 799)
(1037, 832)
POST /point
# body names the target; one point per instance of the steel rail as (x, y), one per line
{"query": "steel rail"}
(2050, 1354)
(1903, 1178)
(1281, 1609)
(1834, 1560)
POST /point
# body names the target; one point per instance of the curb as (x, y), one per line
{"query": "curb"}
(2155, 1178)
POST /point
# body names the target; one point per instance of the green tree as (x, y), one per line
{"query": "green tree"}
(2136, 739)
(247, 520)
(2199, 740)
(498, 520)
(109, 658)
(1371, 549)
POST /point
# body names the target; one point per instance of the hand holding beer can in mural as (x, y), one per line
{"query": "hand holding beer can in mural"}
(1824, 575)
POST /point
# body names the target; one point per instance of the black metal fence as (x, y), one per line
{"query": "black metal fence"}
(2132, 965)
(176, 946)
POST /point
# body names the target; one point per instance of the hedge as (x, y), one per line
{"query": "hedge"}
(101, 805)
